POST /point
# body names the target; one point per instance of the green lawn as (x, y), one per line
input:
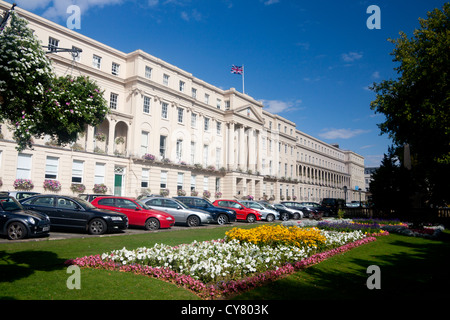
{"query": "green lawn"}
(410, 268)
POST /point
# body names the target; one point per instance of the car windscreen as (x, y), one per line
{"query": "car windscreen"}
(9, 204)
(85, 204)
(143, 205)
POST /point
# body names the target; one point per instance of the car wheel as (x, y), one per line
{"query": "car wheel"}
(270, 217)
(193, 221)
(251, 218)
(152, 224)
(97, 226)
(296, 216)
(222, 219)
(16, 231)
(284, 216)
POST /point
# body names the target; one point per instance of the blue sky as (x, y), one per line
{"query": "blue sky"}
(308, 61)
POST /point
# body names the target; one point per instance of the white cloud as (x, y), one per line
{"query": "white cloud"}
(351, 56)
(376, 75)
(278, 106)
(194, 15)
(373, 160)
(341, 133)
(269, 2)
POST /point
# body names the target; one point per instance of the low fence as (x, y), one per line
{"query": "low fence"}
(431, 215)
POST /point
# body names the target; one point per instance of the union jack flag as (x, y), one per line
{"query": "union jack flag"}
(237, 70)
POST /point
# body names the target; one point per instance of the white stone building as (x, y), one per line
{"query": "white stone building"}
(202, 137)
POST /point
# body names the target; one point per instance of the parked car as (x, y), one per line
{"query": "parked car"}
(287, 213)
(18, 223)
(242, 212)
(181, 212)
(299, 210)
(76, 213)
(138, 213)
(321, 209)
(267, 213)
(313, 210)
(91, 196)
(220, 215)
(333, 204)
(19, 195)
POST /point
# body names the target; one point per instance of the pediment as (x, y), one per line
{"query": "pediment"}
(248, 111)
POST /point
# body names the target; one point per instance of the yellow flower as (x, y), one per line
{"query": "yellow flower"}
(277, 234)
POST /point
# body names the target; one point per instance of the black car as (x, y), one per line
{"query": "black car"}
(321, 209)
(18, 223)
(76, 213)
(220, 215)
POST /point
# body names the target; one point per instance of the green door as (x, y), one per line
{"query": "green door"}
(118, 184)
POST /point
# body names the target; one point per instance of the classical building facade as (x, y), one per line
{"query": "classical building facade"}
(170, 130)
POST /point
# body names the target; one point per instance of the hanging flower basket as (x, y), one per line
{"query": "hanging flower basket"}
(23, 184)
(218, 194)
(181, 192)
(194, 193)
(52, 185)
(164, 192)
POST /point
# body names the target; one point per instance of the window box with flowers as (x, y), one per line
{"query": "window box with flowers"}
(100, 188)
(52, 185)
(77, 187)
(148, 156)
(206, 194)
(23, 184)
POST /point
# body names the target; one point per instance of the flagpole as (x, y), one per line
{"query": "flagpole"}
(243, 91)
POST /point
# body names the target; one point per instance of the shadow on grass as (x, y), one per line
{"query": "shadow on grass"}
(17, 265)
(409, 269)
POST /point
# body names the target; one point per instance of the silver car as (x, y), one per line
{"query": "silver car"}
(267, 214)
(181, 213)
(297, 214)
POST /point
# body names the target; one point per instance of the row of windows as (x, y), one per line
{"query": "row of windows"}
(145, 181)
(182, 88)
(146, 108)
(53, 45)
(24, 165)
(52, 164)
(179, 150)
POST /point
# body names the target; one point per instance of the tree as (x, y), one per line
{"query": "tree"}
(391, 184)
(36, 102)
(417, 104)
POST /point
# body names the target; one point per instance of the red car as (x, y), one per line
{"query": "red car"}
(242, 212)
(138, 213)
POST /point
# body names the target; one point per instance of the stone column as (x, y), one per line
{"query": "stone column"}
(241, 148)
(230, 147)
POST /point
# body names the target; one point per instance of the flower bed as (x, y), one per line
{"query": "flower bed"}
(233, 264)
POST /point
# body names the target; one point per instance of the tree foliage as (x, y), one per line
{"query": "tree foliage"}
(36, 102)
(416, 105)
